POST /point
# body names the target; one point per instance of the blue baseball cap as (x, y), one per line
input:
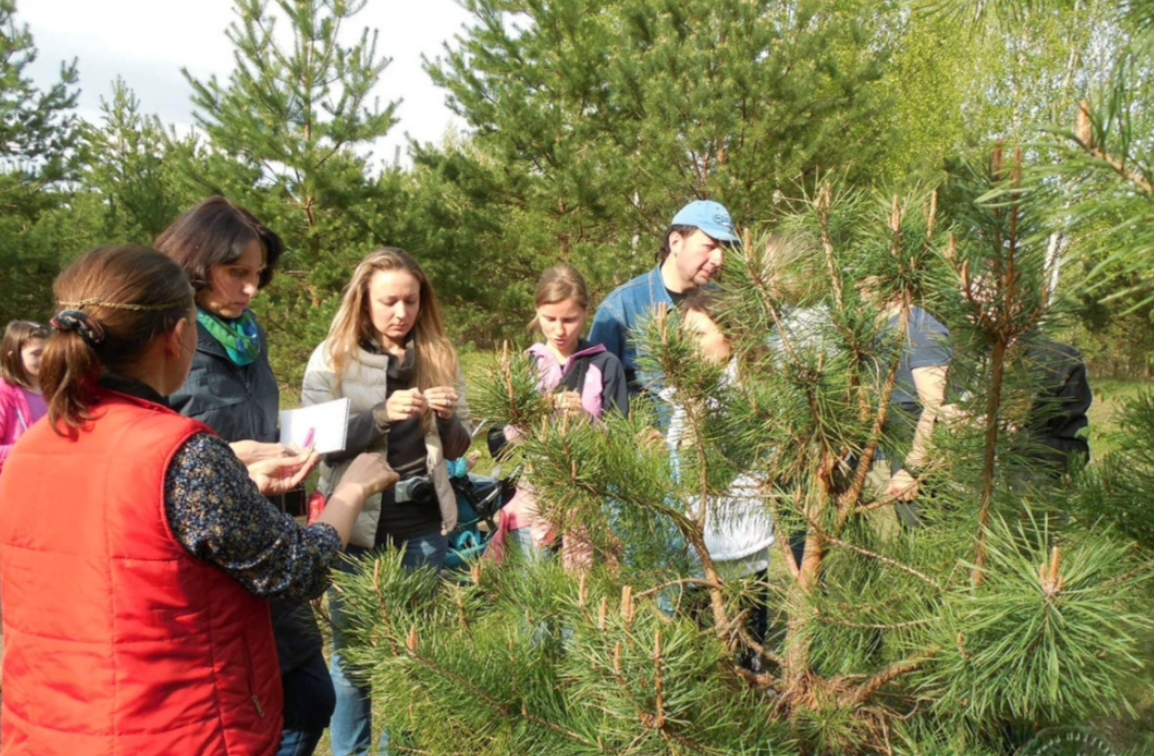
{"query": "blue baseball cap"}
(709, 216)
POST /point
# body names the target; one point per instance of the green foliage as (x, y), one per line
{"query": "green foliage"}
(131, 164)
(1117, 490)
(1104, 166)
(298, 111)
(36, 130)
(456, 226)
(37, 140)
(533, 661)
(1071, 607)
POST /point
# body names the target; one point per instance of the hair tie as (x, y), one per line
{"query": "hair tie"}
(80, 322)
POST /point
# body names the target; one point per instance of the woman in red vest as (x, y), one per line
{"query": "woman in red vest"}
(136, 551)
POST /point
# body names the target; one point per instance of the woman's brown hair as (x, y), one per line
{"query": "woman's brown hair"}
(111, 304)
(217, 232)
(16, 336)
(435, 361)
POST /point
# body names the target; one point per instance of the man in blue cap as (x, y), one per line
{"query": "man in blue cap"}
(693, 253)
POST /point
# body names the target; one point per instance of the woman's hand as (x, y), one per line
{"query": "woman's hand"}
(279, 475)
(250, 452)
(365, 476)
(568, 402)
(371, 471)
(442, 400)
(405, 405)
(903, 486)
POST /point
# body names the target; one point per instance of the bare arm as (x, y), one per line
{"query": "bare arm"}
(931, 386)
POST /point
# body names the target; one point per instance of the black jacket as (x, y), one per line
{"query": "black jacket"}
(241, 404)
(1055, 432)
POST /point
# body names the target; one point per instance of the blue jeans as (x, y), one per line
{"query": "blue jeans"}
(308, 707)
(351, 729)
(522, 538)
(298, 742)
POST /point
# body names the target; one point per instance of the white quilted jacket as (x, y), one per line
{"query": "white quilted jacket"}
(364, 383)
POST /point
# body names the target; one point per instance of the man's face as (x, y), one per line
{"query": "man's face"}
(697, 258)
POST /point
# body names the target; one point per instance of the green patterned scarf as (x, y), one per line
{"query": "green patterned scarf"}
(240, 337)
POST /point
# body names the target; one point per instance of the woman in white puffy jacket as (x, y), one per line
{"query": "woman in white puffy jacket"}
(388, 353)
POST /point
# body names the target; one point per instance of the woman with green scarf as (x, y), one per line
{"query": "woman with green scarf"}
(229, 257)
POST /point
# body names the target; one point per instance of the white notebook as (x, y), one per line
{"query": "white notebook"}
(325, 426)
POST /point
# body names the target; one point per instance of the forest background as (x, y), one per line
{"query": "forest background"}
(588, 125)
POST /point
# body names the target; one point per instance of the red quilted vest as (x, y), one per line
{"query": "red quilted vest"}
(118, 641)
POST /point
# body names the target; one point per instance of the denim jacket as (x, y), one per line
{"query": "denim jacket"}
(621, 318)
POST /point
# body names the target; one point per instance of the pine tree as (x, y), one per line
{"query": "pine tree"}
(37, 140)
(130, 164)
(290, 137)
(1013, 604)
(1108, 167)
(598, 120)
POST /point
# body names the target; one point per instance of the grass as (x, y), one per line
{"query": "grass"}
(1109, 398)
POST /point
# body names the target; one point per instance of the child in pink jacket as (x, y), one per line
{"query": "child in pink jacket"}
(21, 403)
(583, 378)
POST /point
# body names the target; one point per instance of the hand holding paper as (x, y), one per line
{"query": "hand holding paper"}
(324, 426)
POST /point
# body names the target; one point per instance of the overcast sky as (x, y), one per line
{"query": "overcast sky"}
(146, 42)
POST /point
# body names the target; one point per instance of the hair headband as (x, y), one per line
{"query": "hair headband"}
(73, 318)
(96, 302)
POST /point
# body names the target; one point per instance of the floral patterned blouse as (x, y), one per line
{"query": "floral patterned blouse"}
(218, 514)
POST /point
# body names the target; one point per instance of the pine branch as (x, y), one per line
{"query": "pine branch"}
(895, 671)
(1001, 325)
(787, 551)
(761, 650)
(883, 560)
(1084, 138)
(413, 652)
(848, 499)
(656, 721)
(823, 204)
(672, 583)
(867, 626)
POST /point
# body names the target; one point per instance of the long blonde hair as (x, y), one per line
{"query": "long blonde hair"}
(435, 360)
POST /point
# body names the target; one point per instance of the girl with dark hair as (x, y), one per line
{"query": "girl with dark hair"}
(21, 402)
(387, 351)
(229, 256)
(134, 621)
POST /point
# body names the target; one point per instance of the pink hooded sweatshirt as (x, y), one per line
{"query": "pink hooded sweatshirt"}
(16, 416)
